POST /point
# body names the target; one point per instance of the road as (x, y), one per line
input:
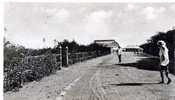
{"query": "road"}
(98, 79)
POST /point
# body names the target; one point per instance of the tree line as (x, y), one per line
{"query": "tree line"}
(12, 51)
(150, 47)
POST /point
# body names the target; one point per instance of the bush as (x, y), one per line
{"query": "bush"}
(25, 65)
(29, 69)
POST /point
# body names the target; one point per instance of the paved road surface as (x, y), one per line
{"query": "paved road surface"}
(98, 79)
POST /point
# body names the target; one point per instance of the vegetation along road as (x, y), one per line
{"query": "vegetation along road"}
(101, 78)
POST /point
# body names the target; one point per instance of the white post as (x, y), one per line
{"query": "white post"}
(67, 56)
(60, 56)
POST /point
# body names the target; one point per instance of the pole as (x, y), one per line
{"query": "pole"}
(60, 56)
(174, 52)
(67, 56)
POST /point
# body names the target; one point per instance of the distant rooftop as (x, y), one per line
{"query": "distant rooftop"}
(107, 43)
(133, 46)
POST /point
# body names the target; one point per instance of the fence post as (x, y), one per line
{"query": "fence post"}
(67, 56)
(60, 56)
(174, 53)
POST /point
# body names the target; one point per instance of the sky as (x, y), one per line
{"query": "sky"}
(127, 23)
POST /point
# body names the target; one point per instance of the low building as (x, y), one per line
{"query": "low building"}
(112, 44)
(133, 48)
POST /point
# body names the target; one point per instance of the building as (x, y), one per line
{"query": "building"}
(133, 48)
(112, 44)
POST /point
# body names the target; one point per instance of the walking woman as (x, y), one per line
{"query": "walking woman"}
(164, 61)
(119, 53)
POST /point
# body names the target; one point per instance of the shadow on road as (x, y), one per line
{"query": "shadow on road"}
(151, 64)
(133, 84)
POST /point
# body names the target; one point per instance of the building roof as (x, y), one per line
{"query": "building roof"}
(107, 43)
(133, 47)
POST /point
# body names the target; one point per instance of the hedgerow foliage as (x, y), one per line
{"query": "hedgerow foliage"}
(22, 65)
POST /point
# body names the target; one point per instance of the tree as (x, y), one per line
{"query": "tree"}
(169, 37)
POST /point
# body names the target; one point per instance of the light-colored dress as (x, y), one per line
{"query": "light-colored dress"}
(119, 51)
(163, 54)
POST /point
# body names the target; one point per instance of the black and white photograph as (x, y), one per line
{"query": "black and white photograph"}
(88, 51)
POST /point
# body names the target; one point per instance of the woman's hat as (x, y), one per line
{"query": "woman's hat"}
(161, 42)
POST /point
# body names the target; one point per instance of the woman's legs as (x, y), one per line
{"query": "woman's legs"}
(169, 79)
(119, 57)
(162, 76)
(162, 69)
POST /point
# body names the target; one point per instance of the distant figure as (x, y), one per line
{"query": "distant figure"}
(119, 54)
(164, 61)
